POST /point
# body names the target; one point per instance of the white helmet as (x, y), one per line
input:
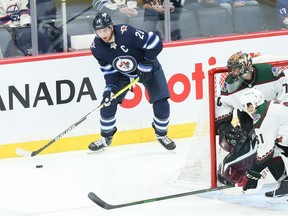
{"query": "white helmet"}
(250, 100)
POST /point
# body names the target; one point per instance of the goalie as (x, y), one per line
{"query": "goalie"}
(240, 141)
(270, 122)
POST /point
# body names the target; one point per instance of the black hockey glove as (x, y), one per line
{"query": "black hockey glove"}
(108, 94)
(236, 136)
(144, 70)
(250, 180)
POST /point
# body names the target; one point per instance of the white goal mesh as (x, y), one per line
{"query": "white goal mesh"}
(195, 173)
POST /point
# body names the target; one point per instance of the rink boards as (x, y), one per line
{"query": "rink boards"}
(42, 96)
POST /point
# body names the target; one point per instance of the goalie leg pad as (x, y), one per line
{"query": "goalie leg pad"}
(235, 164)
(228, 176)
(225, 145)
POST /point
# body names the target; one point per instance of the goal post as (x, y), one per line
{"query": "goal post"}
(213, 87)
(204, 154)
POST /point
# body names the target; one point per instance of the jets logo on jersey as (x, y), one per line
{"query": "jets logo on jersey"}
(123, 29)
(13, 12)
(276, 71)
(125, 64)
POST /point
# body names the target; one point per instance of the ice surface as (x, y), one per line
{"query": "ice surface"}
(118, 175)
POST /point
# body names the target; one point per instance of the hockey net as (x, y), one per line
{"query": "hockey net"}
(200, 167)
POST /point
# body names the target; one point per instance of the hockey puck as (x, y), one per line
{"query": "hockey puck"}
(39, 166)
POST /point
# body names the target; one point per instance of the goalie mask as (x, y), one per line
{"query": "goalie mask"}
(242, 62)
(250, 100)
(102, 20)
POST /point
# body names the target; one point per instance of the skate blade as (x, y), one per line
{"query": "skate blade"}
(282, 199)
(95, 152)
(173, 151)
(170, 150)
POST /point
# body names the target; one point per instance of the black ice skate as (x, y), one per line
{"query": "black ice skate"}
(281, 191)
(102, 143)
(166, 142)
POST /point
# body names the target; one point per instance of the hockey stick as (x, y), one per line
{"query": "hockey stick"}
(92, 196)
(26, 153)
(79, 14)
(229, 190)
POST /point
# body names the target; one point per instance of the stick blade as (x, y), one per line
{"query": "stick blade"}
(23, 152)
(92, 196)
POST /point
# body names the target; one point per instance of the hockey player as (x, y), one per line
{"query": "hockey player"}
(271, 127)
(240, 140)
(124, 53)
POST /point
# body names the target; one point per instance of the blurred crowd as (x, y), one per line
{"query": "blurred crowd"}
(149, 15)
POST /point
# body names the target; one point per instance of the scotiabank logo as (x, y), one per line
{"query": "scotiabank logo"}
(191, 85)
(66, 91)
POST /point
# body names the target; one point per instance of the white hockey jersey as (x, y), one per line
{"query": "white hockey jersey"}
(271, 123)
(270, 80)
(14, 13)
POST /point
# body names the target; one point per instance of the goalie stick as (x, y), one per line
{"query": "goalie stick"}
(94, 198)
(26, 153)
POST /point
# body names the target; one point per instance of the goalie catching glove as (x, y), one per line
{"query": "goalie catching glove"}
(108, 95)
(250, 180)
(144, 70)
